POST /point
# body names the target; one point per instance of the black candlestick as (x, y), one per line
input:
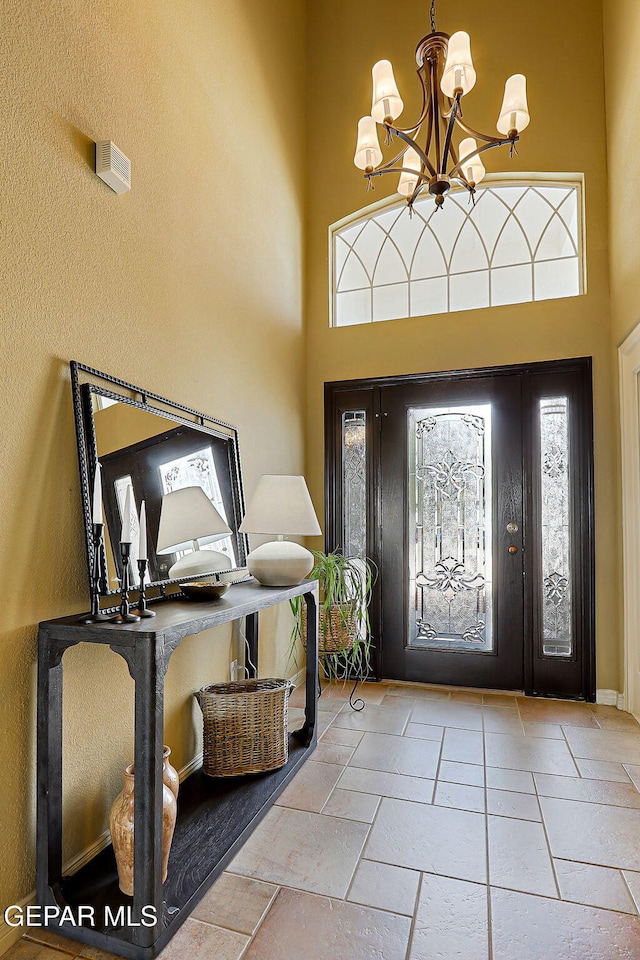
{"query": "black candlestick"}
(142, 600)
(95, 616)
(125, 616)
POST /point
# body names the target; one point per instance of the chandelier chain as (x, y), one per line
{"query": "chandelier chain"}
(433, 16)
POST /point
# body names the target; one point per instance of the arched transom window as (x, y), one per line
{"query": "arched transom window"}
(517, 243)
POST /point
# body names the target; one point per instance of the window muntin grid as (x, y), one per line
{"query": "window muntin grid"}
(518, 243)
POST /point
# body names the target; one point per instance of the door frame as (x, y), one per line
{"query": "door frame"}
(629, 369)
(335, 391)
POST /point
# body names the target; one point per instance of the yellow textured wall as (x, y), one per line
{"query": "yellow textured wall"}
(622, 41)
(190, 285)
(558, 46)
(622, 88)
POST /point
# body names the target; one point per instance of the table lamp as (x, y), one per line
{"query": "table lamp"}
(187, 520)
(280, 506)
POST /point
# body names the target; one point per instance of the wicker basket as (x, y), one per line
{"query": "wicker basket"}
(245, 726)
(337, 628)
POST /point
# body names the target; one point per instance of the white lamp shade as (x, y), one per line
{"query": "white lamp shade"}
(474, 168)
(458, 70)
(187, 515)
(386, 101)
(514, 113)
(368, 152)
(408, 181)
(281, 506)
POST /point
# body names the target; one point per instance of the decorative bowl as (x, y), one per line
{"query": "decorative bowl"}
(204, 589)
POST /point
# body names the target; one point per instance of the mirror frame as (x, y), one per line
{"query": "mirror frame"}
(87, 382)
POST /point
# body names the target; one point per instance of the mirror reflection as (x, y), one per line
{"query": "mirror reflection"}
(184, 475)
(136, 448)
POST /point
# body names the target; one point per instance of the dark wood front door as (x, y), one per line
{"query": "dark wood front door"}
(473, 494)
(452, 532)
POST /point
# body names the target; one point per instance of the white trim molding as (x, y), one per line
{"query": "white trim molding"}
(610, 698)
(10, 935)
(629, 369)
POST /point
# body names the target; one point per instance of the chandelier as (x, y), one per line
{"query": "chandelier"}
(446, 74)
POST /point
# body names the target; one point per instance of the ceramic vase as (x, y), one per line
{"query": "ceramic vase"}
(122, 827)
(169, 773)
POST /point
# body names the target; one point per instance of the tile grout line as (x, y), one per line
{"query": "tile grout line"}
(414, 918)
(260, 921)
(500, 886)
(436, 778)
(630, 891)
(486, 841)
(546, 837)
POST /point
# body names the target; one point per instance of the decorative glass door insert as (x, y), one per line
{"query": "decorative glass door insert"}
(354, 463)
(450, 522)
(557, 628)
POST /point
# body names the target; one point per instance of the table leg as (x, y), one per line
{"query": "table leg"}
(147, 810)
(49, 783)
(252, 644)
(308, 734)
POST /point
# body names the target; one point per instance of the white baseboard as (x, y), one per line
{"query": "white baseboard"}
(299, 678)
(10, 935)
(610, 698)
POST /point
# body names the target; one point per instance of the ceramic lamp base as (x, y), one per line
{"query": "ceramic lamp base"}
(198, 563)
(279, 563)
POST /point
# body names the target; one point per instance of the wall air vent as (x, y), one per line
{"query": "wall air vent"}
(112, 166)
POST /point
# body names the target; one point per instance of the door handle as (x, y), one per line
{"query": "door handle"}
(513, 548)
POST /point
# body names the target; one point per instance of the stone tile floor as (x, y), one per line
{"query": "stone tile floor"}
(437, 824)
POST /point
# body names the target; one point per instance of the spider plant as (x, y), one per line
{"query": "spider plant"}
(344, 637)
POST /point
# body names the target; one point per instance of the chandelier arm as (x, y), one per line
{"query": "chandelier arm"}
(412, 143)
(414, 173)
(493, 141)
(456, 171)
(435, 107)
(427, 145)
(426, 105)
(390, 165)
(455, 107)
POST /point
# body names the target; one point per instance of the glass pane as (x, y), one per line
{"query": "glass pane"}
(469, 291)
(392, 302)
(353, 308)
(198, 470)
(353, 275)
(557, 278)
(557, 629)
(429, 296)
(536, 226)
(390, 267)
(450, 497)
(354, 487)
(511, 285)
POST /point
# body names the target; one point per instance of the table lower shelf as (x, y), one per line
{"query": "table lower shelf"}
(215, 817)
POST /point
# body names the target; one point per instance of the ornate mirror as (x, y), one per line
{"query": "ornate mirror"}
(155, 447)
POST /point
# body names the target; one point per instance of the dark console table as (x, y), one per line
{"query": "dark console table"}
(215, 816)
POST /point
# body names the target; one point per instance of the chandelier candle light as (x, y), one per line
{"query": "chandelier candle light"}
(446, 73)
